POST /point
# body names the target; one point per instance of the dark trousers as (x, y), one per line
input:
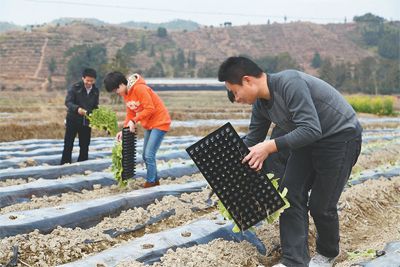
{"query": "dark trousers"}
(324, 168)
(84, 133)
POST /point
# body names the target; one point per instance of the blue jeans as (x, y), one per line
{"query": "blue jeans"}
(151, 143)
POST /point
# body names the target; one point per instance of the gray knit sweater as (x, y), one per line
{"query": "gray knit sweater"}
(307, 108)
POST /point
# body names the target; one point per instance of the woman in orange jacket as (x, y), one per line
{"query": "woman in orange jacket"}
(143, 106)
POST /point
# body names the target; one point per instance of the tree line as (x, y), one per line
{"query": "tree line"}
(373, 75)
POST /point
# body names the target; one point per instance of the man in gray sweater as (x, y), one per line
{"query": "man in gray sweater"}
(323, 135)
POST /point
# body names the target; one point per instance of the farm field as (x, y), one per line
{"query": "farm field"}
(76, 215)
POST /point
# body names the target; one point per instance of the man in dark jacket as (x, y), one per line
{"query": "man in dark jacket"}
(81, 99)
(324, 138)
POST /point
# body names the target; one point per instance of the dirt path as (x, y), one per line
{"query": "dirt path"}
(36, 75)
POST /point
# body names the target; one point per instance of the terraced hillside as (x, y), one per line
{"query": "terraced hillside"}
(24, 56)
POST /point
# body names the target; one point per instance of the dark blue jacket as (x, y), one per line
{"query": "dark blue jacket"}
(77, 97)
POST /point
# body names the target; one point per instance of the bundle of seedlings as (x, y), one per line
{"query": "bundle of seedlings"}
(123, 154)
(104, 118)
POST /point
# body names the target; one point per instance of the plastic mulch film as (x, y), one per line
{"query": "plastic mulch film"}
(198, 232)
(53, 172)
(128, 154)
(249, 196)
(87, 213)
(389, 257)
(10, 195)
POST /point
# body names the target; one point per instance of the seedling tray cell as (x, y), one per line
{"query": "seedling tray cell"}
(128, 154)
(249, 196)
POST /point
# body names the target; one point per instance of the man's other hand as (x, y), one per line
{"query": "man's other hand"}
(82, 111)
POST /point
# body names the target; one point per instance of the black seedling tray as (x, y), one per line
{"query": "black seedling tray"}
(128, 154)
(249, 196)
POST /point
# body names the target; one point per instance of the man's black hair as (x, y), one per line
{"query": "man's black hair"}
(113, 80)
(89, 72)
(233, 69)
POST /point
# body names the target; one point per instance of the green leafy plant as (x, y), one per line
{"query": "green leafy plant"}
(104, 118)
(116, 166)
(271, 218)
(368, 253)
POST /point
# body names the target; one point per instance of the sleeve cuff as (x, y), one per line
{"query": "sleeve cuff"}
(281, 143)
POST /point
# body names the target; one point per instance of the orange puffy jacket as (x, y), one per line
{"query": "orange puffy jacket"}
(144, 106)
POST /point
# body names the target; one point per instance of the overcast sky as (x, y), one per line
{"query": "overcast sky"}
(206, 12)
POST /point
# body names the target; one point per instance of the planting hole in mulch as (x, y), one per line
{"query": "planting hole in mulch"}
(147, 246)
(186, 234)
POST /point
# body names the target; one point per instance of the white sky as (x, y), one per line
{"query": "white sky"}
(206, 12)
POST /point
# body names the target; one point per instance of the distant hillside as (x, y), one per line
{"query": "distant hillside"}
(64, 21)
(6, 26)
(171, 25)
(25, 56)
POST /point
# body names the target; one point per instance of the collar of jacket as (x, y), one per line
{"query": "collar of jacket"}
(134, 79)
(270, 82)
(80, 87)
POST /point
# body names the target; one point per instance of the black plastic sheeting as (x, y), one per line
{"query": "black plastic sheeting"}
(376, 174)
(54, 172)
(22, 193)
(15, 162)
(95, 140)
(48, 159)
(45, 141)
(199, 232)
(390, 259)
(382, 130)
(368, 139)
(51, 143)
(86, 214)
(52, 148)
(55, 159)
(176, 171)
(379, 120)
(45, 151)
(9, 155)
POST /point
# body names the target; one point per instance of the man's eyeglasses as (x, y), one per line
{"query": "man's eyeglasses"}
(231, 96)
